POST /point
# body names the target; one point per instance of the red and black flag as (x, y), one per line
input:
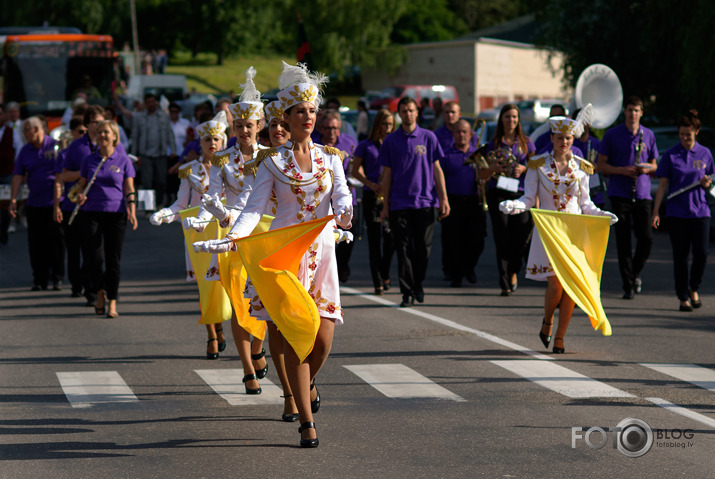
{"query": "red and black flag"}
(304, 55)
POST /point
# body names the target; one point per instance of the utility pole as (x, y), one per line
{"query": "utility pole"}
(135, 37)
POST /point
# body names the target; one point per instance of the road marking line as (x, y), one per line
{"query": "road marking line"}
(86, 388)
(560, 379)
(229, 385)
(399, 381)
(683, 411)
(692, 373)
(448, 323)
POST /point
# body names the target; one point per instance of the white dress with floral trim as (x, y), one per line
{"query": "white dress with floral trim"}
(227, 180)
(188, 196)
(567, 192)
(301, 196)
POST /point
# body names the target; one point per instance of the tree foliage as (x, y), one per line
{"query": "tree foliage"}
(658, 52)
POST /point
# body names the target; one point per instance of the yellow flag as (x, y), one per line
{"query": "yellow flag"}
(576, 246)
(272, 260)
(233, 278)
(213, 300)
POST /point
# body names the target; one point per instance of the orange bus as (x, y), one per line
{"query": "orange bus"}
(45, 72)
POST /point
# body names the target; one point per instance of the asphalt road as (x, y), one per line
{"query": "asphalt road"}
(482, 397)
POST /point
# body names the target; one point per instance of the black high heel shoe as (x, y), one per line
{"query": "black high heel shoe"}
(211, 355)
(558, 350)
(544, 338)
(315, 404)
(289, 417)
(249, 377)
(222, 344)
(307, 442)
(260, 373)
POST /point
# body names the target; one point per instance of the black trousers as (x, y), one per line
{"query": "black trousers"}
(343, 251)
(379, 241)
(45, 246)
(463, 233)
(636, 216)
(154, 174)
(512, 236)
(684, 234)
(71, 239)
(105, 235)
(412, 232)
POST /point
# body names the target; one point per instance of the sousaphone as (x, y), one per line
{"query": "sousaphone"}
(599, 86)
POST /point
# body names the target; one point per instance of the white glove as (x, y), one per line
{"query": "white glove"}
(512, 207)
(214, 206)
(157, 218)
(342, 235)
(344, 216)
(213, 246)
(192, 223)
(614, 218)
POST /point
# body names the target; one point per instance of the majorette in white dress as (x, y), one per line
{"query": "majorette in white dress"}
(567, 192)
(301, 196)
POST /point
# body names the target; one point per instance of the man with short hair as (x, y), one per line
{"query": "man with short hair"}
(36, 165)
(152, 137)
(464, 230)
(331, 136)
(14, 121)
(413, 187)
(628, 157)
(451, 114)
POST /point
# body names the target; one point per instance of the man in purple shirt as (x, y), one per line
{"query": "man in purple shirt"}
(37, 162)
(413, 186)
(464, 230)
(628, 157)
(451, 114)
(331, 136)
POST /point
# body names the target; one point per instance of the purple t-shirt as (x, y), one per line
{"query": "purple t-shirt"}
(196, 146)
(347, 144)
(107, 192)
(72, 160)
(411, 157)
(231, 141)
(446, 138)
(460, 179)
(522, 156)
(683, 168)
(619, 145)
(368, 151)
(39, 165)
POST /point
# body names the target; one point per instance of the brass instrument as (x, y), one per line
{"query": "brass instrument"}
(503, 157)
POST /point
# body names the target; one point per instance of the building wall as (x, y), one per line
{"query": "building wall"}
(485, 72)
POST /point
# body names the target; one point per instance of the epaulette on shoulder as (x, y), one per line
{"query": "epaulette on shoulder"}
(586, 166)
(331, 150)
(265, 153)
(537, 162)
(185, 171)
(219, 159)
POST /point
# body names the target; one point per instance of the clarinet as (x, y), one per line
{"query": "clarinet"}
(639, 150)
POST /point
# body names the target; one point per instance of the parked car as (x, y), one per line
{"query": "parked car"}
(350, 116)
(390, 96)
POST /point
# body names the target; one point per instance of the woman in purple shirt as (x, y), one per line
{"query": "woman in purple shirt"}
(687, 164)
(511, 233)
(110, 201)
(367, 170)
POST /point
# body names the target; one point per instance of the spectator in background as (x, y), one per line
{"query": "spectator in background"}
(346, 128)
(363, 121)
(437, 106)
(413, 186)
(162, 60)
(13, 120)
(111, 114)
(427, 115)
(179, 125)
(451, 113)
(36, 165)
(464, 230)
(152, 137)
(70, 111)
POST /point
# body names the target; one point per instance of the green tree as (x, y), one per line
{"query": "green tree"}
(427, 21)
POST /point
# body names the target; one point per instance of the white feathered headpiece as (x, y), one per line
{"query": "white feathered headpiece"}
(562, 124)
(299, 85)
(249, 106)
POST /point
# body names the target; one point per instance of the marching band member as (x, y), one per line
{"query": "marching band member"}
(682, 170)
(228, 177)
(559, 180)
(309, 183)
(511, 233)
(194, 177)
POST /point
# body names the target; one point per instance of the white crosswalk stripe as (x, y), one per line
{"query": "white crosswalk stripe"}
(399, 381)
(560, 379)
(683, 411)
(692, 373)
(87, 388)
(229, 385)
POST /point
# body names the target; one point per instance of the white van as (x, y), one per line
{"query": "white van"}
(173, 87)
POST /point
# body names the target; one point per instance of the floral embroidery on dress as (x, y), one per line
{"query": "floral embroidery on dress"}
(539, 269)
